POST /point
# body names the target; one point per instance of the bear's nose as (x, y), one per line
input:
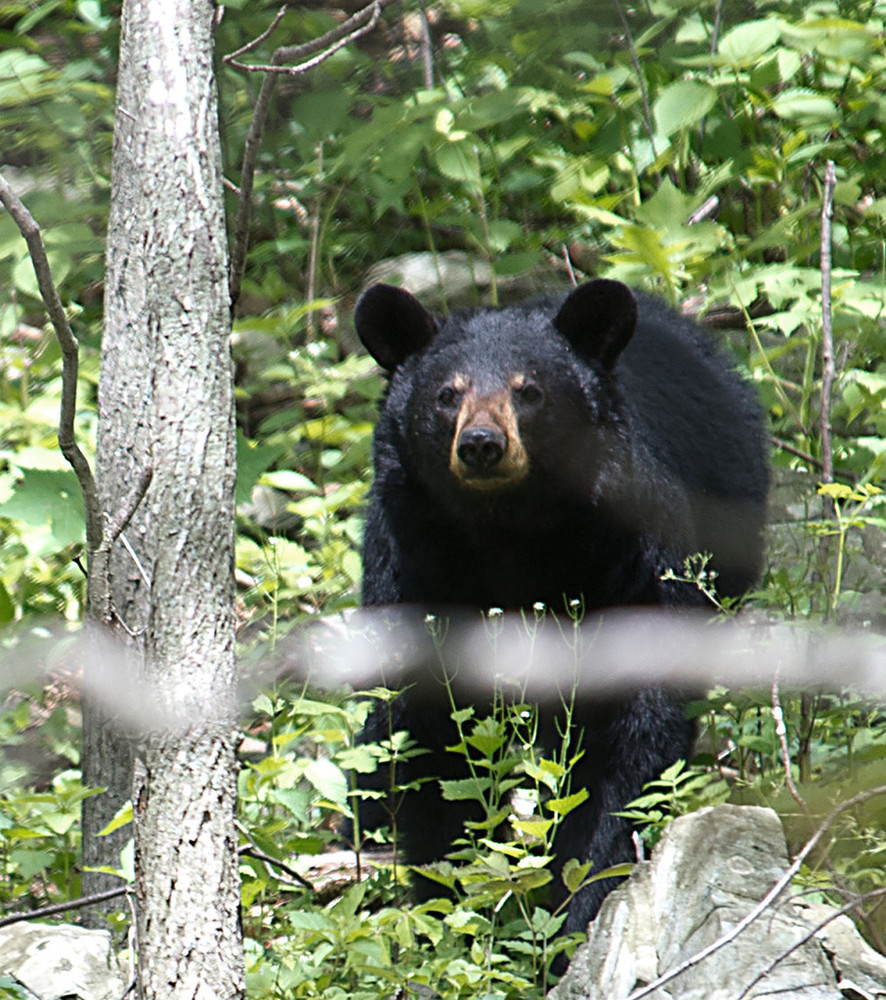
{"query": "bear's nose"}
(481, 447)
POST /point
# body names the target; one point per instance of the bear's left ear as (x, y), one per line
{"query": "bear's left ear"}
(392, 324)
(598, 319)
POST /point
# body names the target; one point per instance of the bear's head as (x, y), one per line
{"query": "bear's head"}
(492, 393)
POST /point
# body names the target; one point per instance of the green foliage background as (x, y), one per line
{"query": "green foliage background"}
(594, 127)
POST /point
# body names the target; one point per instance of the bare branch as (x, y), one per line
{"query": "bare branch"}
(249, 46)
(641, 83)
(781, 732)
(828, 373)
(567, 260)
(325, 46)
(121, 519)
(706, 209)
(793, 450)
(70, 360)
(427, 50)
(303, 67)
(296, 878)
(247, 180)
(71, 904)
(767, 901)
(361, 23)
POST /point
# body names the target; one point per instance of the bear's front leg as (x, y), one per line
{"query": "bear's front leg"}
(626, 745)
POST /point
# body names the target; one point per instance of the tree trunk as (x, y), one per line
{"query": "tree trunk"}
(166, 403)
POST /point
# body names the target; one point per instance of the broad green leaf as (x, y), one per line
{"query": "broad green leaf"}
(682, 105)
(744, 44)
(574, 873)
(465, 789)
(490, 109)
(289, 479)
(252, 460)
(21, 75)
(321, 114)
(833, 37)
(614, 871)
(459, 162)
(563, 806)
(502, 233)
(49, 497)
(328, 779)
(802, 104)
(533, 828)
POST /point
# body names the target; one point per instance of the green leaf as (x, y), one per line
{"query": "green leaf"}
(123, 816)
(252, 460)
(465, 789)
(459, 162)
(328, 779)
(532, 827)
(674, 772)
(321, 114)
(744, 44)
(574, 873)
(801, 104)
(7, 608)
(490, 109)
(683, 104)
(48, 497)
(487, 737)
(289, 479)
(614, 871)
(20, 76)
(563, 806)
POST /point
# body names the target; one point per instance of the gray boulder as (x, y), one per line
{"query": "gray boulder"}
(60, 962)
(708, 871)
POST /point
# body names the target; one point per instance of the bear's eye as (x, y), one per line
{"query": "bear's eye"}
(529, 392)
(447, 396)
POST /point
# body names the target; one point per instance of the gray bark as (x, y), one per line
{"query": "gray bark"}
(166, 402)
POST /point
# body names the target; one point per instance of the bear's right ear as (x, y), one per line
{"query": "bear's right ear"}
(392, 324)
(598, 319)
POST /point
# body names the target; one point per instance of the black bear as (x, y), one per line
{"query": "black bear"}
(574, 446)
